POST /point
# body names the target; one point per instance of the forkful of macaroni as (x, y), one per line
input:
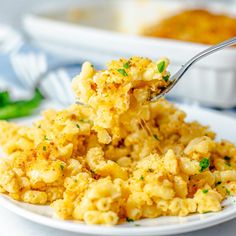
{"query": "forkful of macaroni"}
(119, 92)
(156, 78)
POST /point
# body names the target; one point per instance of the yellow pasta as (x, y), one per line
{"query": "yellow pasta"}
(117, 157)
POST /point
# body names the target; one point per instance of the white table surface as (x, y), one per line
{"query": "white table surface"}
(13, 225)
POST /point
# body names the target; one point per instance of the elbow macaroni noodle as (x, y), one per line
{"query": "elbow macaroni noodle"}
(119, 157)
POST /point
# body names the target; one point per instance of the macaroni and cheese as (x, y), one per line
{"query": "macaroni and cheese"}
(117, 157)
(195, 25)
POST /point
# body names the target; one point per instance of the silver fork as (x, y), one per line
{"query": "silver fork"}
(178, 75)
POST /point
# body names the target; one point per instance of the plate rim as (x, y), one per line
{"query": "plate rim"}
(70, 226)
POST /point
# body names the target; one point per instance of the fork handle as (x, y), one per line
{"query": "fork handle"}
(176, 77)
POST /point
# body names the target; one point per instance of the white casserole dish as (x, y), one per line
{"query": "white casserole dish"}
(99, 36)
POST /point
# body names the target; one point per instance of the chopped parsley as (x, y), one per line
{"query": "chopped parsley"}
(129, 219)
(137, 225)
(126, 65)
(166, 78)
(218, 183)
(46, 138)
(141, 177)
(44, 148)
(227, 158)
(122, 72)
(62, 166)
(204, 164)
(227, 163)
(85, 121)
(227, 191)
(155, 137)
(78, 126)
(205, 191)
(205, 212)
(161, 66)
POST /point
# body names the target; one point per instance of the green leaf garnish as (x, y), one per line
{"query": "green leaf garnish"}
(166, 78)
(204, 164)
(228, 192)
(141, 178)
(62, 166)
(122, 72)
(4, 98)
(227, 163)
(205, 191)
(78, 126)
(126, 65)
(20, 108)
(44, 148)
(155, 137)
(227, 158)
(129, 219)
(161, 66)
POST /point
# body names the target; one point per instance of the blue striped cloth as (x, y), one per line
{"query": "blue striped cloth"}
(8, 76)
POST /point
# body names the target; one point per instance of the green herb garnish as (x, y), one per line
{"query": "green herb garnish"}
(44, 148)
(218, 183)
(227, 163)
(166, 78)
(161, 66)
(205, 190)
(141, 178)
(4, 98)
(15, 109)
(122, 72)
(78, 126)
(129, 219)
(126, 65)
(155, 137)
(85, 121)
(204, 164)
(227, 158)
(227, 191)
(62, 166)
(46, 138)
(137, 225)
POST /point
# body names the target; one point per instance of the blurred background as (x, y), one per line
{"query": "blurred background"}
(43, 43)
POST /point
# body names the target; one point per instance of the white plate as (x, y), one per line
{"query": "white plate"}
(224, 126)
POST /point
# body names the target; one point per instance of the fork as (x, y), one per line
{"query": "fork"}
(178, 75)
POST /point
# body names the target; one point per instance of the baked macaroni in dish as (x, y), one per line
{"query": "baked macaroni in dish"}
(197, 25)
(117, 157)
